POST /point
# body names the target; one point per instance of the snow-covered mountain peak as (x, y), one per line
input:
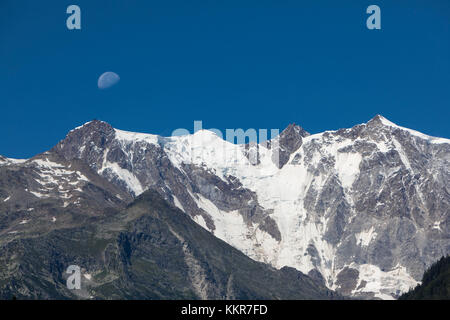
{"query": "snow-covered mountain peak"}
(379, 120)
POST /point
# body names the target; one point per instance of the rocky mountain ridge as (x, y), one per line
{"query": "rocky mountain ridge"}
(364, 209)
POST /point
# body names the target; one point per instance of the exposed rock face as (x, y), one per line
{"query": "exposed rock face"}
(364, 209)
(289, 141)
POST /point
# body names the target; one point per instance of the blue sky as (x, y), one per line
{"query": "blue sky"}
(231, 64)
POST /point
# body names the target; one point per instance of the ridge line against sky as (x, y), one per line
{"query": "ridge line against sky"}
(411, 130)
(191, 130)
(258, 64)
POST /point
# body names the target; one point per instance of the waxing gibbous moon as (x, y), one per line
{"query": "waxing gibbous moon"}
(107, 80)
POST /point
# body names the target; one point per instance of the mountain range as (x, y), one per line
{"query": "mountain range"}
(360, 211)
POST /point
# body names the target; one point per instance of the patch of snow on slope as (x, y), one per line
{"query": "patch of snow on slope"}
(50, 169)
(53, 176)
(383, 283)
(231, 228)
(347, 166)
(201, 221)
(402, 154)
(123, 174)
(16, 161)
(178, 203)
(365, 237)
(10, 161)
(437, 225)
(38, 194)
(79, 127)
